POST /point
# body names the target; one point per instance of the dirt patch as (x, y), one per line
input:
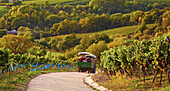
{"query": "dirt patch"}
(101, 77)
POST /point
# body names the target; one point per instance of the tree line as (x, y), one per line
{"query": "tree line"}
(56, 20)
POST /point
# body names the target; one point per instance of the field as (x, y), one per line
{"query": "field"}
(121, 30)
(53, 2)
(3, 10)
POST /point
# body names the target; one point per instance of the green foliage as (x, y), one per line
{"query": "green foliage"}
(16, 23)
(46, 4)
(66, 27)
(3, 32)
(17, 3)
(120, 6)
(2, 23)
(142, 27)
(53, 43)
(117, 42)
(17, 43)
(51, 19)
(94, 24)
(3, 10)
(67, 19)
(43, 43)
(68, 42)
(138, 54)
(97, 48)
(4, 57)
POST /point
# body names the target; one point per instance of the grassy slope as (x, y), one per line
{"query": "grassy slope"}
(50, 1)
(121, 30)
(56, 53)
(117, 83)
(42, 1)
(3, 10)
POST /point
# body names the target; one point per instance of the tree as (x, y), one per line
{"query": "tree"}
(3, 32)
(17, 3)
(46, 4)
(116, 19)
(67, 26)
(53, 43)
(142, 27)
(43, 43)
(2, 23)
(17, 43)
(16, 23)
(95, 23)
(93, 3)
(68, 42)
(51, 19)
(96, 49)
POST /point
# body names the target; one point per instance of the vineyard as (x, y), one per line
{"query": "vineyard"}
(146, 58)
(29, 62)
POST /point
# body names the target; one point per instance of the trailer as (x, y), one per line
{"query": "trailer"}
(86, 62)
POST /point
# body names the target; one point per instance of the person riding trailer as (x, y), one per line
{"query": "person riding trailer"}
(88, 63)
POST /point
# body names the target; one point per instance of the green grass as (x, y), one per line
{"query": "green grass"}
(56, 53)
(122, 82)
(3, 10)
(19, 81)
(53, 1)
(121, 30)
(42, 1)
(70, 2)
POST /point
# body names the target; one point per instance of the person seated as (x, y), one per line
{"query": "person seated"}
(88, 59)
(82, 58)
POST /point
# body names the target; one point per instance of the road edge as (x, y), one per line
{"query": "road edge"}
(88, 80)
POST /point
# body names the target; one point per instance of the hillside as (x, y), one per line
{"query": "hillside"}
(120, 30)
(129, 38)
(3, 10)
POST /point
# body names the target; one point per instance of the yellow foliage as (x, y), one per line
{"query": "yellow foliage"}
(17, 43)
(116, 42)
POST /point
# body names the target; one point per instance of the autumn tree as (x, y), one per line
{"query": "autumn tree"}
(53, 43)
(97, 48)
(51, 19)
(43, 43)
(17, 43)
(3, 32)
(68, 42)
(2, 23)
(16, 23)
(66, 27)
(95, 23)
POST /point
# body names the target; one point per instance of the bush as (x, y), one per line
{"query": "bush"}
(158, 34)
(137, 35)
(15, 3)
(148, 31)
(144, 37)
(3, 32)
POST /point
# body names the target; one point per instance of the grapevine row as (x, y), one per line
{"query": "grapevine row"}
(147, 57)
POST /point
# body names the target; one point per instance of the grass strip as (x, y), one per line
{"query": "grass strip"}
(20, 80)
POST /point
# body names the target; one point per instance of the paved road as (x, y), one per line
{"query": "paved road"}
(59, 81)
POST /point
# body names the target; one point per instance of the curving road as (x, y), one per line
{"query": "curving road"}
(59, 81)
